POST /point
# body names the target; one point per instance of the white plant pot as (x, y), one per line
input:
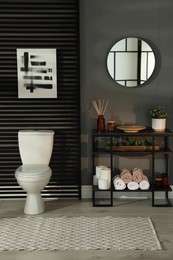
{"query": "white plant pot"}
(158, 124)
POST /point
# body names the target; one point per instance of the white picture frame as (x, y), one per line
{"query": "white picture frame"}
(37, 73)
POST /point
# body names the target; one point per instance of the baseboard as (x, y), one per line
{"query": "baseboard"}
(87, 194)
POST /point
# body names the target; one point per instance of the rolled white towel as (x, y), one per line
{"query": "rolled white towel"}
(132, 185)
(119, 184)
(144, 185)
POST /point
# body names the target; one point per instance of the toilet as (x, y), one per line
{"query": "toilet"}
(35, 147)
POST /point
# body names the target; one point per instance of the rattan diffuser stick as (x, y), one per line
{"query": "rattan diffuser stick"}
(100, 106)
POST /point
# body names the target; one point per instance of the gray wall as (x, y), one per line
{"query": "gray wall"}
(104, 22)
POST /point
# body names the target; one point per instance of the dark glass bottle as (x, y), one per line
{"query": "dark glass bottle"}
(100, 124)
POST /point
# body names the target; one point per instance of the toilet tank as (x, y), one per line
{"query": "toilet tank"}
(35, 146)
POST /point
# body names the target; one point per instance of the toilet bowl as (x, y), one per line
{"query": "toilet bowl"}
(34, 174)
(33, 179)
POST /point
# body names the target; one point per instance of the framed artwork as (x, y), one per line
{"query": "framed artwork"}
(37, 73)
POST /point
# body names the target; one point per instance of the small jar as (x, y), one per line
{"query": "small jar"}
(100, 124)
(111, 126)
(158, 182)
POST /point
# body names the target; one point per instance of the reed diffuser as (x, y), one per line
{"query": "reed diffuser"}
(100, 108)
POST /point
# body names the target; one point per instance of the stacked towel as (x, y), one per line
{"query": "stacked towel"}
(133, 180)
(118, 183)
(137, 175)
(132, 185)
(126, 176)
(145, 178)
(144, 184)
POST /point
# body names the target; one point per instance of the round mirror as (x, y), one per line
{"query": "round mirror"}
(131, 62)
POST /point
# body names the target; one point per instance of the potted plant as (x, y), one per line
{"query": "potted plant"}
(158, 115)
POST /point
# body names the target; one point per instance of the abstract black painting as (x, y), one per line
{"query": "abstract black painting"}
(37, 73)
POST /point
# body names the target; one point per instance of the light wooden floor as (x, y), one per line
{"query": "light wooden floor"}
(162, 219)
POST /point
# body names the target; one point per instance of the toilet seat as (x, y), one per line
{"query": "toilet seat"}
(32, 172)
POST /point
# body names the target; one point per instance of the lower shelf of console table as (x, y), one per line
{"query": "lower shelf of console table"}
(111, 198)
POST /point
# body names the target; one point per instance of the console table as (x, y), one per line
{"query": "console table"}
(99, 149)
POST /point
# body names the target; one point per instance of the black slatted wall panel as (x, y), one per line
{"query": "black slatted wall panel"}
(41, 24)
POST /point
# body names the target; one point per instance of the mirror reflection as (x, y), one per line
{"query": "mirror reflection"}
(131, 62)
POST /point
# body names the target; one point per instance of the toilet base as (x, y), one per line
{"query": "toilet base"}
(34, 204)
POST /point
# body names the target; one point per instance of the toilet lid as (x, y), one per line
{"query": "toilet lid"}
(29, 169)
